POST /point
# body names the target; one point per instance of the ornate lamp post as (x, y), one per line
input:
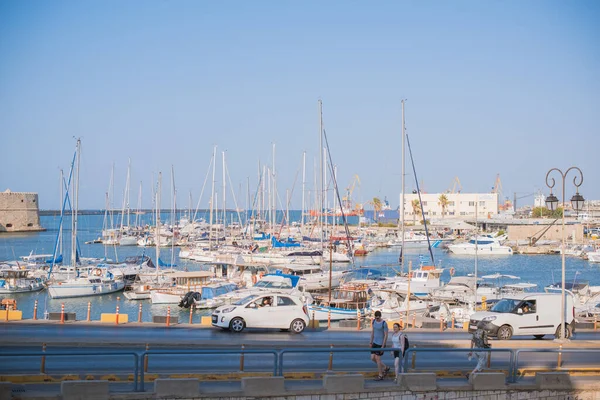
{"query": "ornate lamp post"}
(552, 203)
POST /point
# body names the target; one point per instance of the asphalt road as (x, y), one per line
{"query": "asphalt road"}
(103, 349)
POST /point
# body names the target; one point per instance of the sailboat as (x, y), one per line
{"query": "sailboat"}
(93, 280)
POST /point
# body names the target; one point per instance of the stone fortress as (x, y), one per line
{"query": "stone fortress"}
(19, 212)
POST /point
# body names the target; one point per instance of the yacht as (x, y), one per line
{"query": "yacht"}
(481, 246)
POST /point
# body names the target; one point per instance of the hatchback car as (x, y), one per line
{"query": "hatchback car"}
(263, 310)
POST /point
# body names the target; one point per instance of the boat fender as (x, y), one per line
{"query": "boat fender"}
(97, 272)
(452, 271)
(254, 279)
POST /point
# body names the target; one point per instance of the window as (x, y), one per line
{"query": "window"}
(481, 203)
(424, 203)
(451, 213)
(471, 203)
(9, 225)
(450, 204)
(463, 213)
(434, 213)
(30, 224)
(285, 301)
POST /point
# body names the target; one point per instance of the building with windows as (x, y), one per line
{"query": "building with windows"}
(19, 212)
(457, 206)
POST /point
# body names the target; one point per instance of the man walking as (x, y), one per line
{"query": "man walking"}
(479, 341)
(379, 335)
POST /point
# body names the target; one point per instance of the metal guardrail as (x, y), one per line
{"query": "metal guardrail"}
(43, 355)
(558, 351)
(140, 358)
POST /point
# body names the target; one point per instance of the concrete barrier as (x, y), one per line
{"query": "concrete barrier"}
(418, 382)
(5, 390)
(13, 315)
(112, 318)
(176, 388)
(84, 390)
(263, 386)
(352, 383)
(162, 319)
(488, 380)
(55, 316)
(553, 380)
(206, 320)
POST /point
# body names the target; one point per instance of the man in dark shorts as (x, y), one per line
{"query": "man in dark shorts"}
(379, 335)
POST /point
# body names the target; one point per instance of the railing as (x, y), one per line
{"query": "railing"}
(43, 355)
(140, 358)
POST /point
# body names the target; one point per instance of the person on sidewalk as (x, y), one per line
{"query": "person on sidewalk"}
(379, 335)
(398, 342)
(479, 341)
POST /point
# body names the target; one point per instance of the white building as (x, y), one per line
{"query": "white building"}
(459, 206)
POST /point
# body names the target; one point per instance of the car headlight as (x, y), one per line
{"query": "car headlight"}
(227, 310)
(490, 318)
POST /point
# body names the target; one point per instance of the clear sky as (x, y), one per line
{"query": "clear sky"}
(492, 87)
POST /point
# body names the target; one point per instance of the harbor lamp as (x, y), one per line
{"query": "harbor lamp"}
(552, 203)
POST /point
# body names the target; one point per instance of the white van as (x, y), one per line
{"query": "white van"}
(536, 314)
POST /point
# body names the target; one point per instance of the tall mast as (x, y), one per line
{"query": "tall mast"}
(157, 230)
(212, 196)
(303, 190)
(74, 214)
(402, 193)
(322, 198)
(224, 191)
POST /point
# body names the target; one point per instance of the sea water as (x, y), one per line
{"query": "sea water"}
(538, 269)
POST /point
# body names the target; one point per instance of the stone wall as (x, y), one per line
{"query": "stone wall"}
(573, 233)
(19, 212)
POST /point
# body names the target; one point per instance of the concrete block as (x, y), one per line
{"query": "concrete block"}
(418, 381)
(348, 323)
(112, 318)
(13, 315)
(553, 380)
(257, 386)
(206, 320)
(55, 316)
(352, 383)
(5, 390)
(162, 319)
(176, 388)
(488, 381)
(84, 390)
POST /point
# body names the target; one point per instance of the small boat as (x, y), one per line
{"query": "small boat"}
(182, 283)
(313, 277)
(18, 281)
(209, 296)
(481, 246)
(97, 281)
(346, 303)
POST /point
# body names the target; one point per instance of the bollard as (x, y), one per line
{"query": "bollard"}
(168, 316)
(441, 324)
(242, 359)
(62, 313)
(414, 357)
(330, 366)
(192, 313)
(595, 322)
(34, 310)
(313, 318)
(329, 319)
(453, 320)
(140, 314)
(560, 356)
(146, 358)
(6, 315)
(484, 303)
(117, 315)
(414, 320)
(358, 319)
(89, 312)
(43, 363)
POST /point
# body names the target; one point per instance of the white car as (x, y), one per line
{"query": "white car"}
(263, 310)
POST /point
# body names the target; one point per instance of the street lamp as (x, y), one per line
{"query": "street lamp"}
(552, 203)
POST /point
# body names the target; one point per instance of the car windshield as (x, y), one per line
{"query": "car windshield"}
(505, 306)
(245, 300)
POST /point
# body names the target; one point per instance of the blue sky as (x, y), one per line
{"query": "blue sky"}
(492, 87)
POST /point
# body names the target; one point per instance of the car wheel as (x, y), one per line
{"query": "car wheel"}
(297, 325)
(505, 332)
(557, 334)
(237, 324)
(538, 336)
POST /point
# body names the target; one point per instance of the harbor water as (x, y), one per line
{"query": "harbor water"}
(539, 269)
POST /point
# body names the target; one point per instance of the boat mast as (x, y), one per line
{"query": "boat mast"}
(74, 214)
(303, 191)
(322, 180)
(224, 192)
(212, 196)
(157, 231)
(402, 194)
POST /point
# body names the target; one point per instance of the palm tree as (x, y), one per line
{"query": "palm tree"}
(416, 206)
(443, 202)
(376, 206)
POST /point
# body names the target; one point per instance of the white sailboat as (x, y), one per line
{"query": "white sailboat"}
(93, 280)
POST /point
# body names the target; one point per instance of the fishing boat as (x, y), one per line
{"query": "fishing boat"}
(18, 281)
(346, 302)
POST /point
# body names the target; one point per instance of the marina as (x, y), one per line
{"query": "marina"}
(534, 270)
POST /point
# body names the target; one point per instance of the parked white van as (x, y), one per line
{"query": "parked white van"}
(536, 314)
